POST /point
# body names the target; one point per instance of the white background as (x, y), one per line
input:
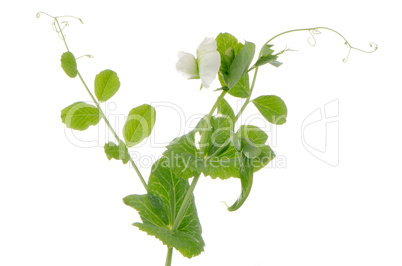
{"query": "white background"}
(61, 203)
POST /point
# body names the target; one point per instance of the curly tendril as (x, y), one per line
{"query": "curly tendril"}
(38, 15)
(59, 26)
(86, 55)
(312, 32)
(312, 40)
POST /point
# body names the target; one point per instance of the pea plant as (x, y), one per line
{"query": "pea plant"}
(213, 148)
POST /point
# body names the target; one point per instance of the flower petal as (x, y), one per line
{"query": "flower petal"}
(187, 65)
(208, 66)
(206, 46)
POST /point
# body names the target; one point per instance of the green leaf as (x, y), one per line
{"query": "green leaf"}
(238, 47)
(242, 88)
(223, 165)
(267, 56)
(266, 59)
(240, 64)
(205, 129)
(69, 64)
(139, 124)
(158, 210)
(117, 152)
(236, 141)
(266, 50)
(227, 163)
(224, 41)
(249, 149)
(226, 110)
(226, 61)
(80, 116)
(275, 63)
(183, 155)
(252, 132)
(222, 126)
(107, 83)
(229, 48)
(272, 108)
(246, 178)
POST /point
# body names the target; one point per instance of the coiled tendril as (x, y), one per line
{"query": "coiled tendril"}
(312, 40)
(60, 26)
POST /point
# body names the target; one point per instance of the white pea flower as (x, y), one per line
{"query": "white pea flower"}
(205, 67)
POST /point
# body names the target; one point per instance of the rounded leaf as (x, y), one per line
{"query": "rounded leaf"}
(249, 149)
(272, 108)
(69, 64)
(80, 116)
(107, 83)
(252, 132)
(139, 124)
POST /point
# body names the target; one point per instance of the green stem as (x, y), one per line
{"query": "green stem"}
(184, 204)
(61, 33)
(169, 257)
(190, 190)
(311, 30)
(113, 131)
(203, 139)
(248, 98)
(316, 31)
(99, 108)
(216, 103)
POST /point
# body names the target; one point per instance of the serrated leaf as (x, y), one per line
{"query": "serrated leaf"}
(267, 56)
(265, 60)
(246, 178)
(224, 165)
(182, 155)
(240, 64)
(107, 83)
(69, 64)
(227, 163)
(119, 152)
(272, 108)
(221, 126)
(158, 210)
(266, 50)
(80, 116)
(139, 124)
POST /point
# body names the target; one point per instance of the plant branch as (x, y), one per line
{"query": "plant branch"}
(169, 257)
(113, 131)
(248, 98)
(190, 190)
(60, 32)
